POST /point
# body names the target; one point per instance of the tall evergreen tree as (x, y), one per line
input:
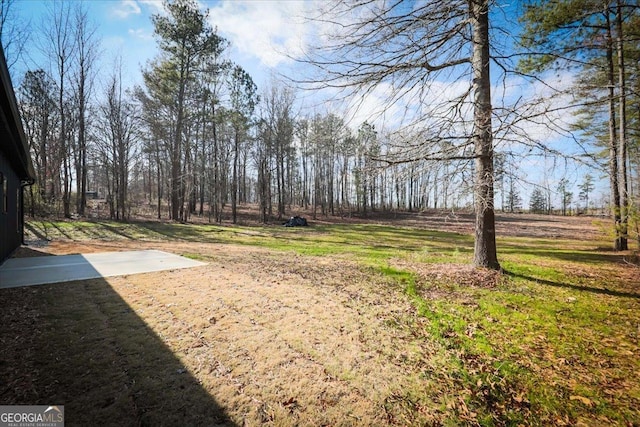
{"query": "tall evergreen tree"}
(566, 196)
(185, 38)
(538, 202)
(586, 187)
(590, 36)
(40, 119)
(244, 97)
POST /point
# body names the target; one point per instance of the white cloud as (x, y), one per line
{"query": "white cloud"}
(272, 31)
(542, 112)
(140, 33)
(126, 8)
(156, 6)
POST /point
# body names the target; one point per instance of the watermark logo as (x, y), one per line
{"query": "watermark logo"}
(32, 416)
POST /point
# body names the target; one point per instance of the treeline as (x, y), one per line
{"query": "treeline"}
(198, 138)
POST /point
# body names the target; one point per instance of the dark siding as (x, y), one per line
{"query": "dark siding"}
(15, 165)
(10, 235)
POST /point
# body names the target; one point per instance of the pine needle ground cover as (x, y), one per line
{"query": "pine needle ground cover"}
(334, 324)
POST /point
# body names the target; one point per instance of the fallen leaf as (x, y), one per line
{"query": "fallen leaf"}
(582, 399)
(520, 398)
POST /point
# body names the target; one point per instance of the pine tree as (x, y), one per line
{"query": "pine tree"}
(591, 38)
(566, 196)
(185, 38)
(585, 189)
(538, 202)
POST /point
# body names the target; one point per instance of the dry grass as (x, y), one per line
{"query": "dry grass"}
(272, 339)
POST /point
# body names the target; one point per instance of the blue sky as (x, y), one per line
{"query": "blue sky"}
(263, 35)
(261, 32)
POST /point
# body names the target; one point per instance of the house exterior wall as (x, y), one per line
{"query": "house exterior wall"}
(16, 168)
(10, 205)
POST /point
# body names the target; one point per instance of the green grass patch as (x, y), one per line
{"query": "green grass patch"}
(195, 256)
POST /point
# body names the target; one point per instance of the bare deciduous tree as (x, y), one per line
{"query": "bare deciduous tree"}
(412, 52)
(272, 147)
(60, 46)
(86, 55)
(117, 132)
(14, 33)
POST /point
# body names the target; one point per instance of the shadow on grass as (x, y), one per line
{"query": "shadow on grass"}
(600, 291)
(79, 344)
(61, 230)
(173, 231)
(117, 231)
(40, 234)
(586, 256)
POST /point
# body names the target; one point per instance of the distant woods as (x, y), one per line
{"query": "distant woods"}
(199, 138)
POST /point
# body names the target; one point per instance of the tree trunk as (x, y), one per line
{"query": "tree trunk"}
(216, 165)
(613, 140)
(622, 137)
(159, 179)
(177, 196)
(123, 178)
(234, 180)
(485, 253)
(280, 140)
(81, 172)
(203, 164)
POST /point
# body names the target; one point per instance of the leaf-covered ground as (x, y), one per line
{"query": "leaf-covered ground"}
(335, 324)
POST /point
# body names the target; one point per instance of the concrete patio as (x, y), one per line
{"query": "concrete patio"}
(30, 271)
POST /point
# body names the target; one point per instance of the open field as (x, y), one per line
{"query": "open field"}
(378, 322)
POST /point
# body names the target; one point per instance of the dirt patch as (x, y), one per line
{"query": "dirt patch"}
(507, 224)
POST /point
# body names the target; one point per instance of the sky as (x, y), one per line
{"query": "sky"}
(261, 32)
(263, 36)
